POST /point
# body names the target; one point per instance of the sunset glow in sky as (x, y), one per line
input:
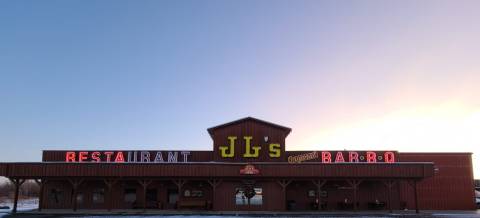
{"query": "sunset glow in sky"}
(359, 75)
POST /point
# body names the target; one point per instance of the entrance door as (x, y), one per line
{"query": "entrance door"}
(172, 196)
(151, 198)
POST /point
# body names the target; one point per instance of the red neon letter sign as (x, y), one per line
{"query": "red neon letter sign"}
(70, 156)
(96, 156)
(82, 155)
(108, 154)
(353, 156)
(339, 157)
(371, 157)
(389, 157)
(119, 157)
(326, 157)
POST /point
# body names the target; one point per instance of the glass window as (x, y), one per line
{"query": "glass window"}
(172, 196)
(130, 195)
(56, 195)
(258, 198)
(242, 199)
(98, 196)
(151, 195)
(186, 193)
(80, 198)
(311, 193)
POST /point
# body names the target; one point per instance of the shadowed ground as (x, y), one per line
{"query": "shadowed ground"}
(187, 214)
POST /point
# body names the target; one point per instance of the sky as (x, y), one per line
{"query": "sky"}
(358, 75)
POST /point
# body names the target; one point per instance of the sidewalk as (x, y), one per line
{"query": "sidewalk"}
(174, 213)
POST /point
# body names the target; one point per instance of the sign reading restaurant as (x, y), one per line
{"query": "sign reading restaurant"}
(128, 156)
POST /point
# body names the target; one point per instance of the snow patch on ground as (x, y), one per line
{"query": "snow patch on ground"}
(23, 205)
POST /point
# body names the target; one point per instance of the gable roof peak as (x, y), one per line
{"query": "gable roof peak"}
(249, 118)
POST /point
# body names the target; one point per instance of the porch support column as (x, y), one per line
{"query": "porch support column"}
(400, 201)
(413, 183)
(17, 182)
(75, 183)
(41, 183)
(319, 184)
(284, 183)
(354, 183)
(179, 183)
(144, 184)
(214, 183)
(416, 196)
(109, 183)
(389, 184)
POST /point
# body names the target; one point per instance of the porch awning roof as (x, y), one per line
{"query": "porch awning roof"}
(400, 170)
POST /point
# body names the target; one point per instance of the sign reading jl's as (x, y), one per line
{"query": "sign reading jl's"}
(251, 151)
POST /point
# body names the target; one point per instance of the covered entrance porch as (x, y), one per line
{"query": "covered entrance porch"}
(219, 186)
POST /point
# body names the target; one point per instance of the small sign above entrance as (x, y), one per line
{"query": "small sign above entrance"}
(249, 170)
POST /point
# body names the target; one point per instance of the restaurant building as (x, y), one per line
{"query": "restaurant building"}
(249, 170)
